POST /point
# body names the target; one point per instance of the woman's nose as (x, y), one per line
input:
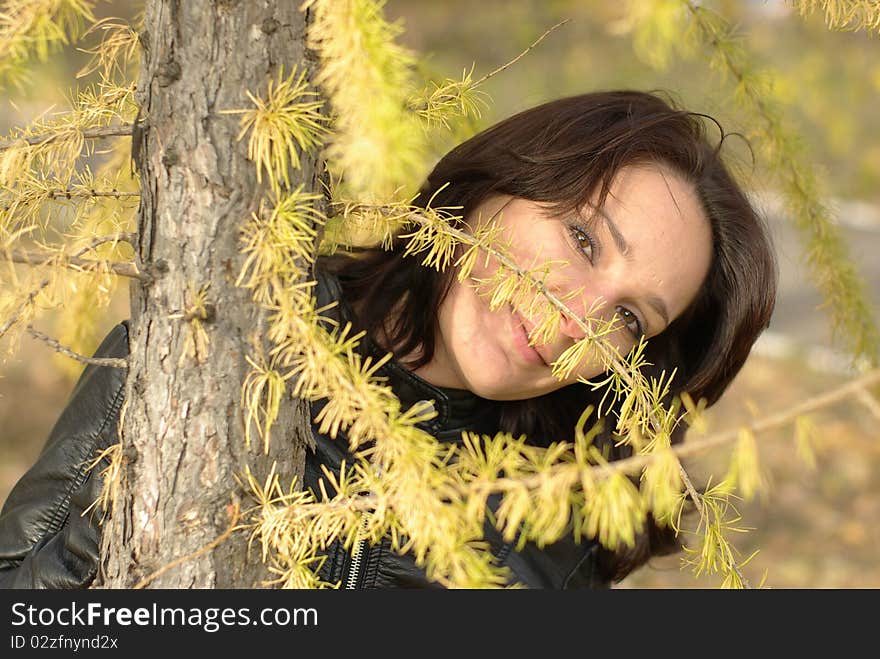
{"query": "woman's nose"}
(588, 310)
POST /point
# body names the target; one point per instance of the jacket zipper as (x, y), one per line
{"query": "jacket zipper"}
(357, 557)
(358, 554)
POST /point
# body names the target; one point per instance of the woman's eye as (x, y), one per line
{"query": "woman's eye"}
(584, 241)
(631, 321)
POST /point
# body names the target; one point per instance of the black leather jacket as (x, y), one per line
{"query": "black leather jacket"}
(46, 541)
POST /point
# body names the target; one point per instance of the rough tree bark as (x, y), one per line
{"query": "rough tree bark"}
(183, 428)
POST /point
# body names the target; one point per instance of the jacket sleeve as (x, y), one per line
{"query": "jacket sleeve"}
(45, 539)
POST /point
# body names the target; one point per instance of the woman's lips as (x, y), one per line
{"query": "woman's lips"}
(521, 342)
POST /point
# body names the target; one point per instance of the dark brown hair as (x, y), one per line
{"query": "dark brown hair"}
(564, 153)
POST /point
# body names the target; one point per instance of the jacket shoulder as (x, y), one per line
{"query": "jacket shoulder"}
(38, 504)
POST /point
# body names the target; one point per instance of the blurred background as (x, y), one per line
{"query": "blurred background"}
(814, 528)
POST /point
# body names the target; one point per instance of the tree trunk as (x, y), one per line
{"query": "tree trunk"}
(183, 428)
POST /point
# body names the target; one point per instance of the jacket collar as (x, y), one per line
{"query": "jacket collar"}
(457, 409)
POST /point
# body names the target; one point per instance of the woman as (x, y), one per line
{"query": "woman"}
(653, 230)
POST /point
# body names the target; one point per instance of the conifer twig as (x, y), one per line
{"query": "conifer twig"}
(57, 347)
(118, 130)
(449, 96)
(67, 194)
(857, 387)
(128, 237)
(691, 490)
(123, 236)
(127, 269)
(850, 15)
(866, 339)
(71, 193)
(634, 465)
(522, 54)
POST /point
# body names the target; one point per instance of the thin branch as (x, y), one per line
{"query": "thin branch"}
(448, 96)
(75, 192)
(128, 237)
(763, 110)
(30, 300)
(89, 133)
(234, 513)
(691, 490)
(124, 236)
(818, 224)
(515, 59)
(57, 347)
(635, 464)
(36, 258)
(67, 194)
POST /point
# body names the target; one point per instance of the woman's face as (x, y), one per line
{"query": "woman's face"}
(643, 257)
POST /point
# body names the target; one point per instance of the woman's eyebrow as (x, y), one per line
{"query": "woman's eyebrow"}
(660, 308)
(623, 247)
(619, 240)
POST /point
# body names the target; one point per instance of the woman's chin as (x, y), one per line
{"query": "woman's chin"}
(505, 387)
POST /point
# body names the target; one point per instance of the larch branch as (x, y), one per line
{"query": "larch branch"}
(522, 54)
(67, 194)
(128, 237)
(118, 130)
(127, 269)
(64, 350)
